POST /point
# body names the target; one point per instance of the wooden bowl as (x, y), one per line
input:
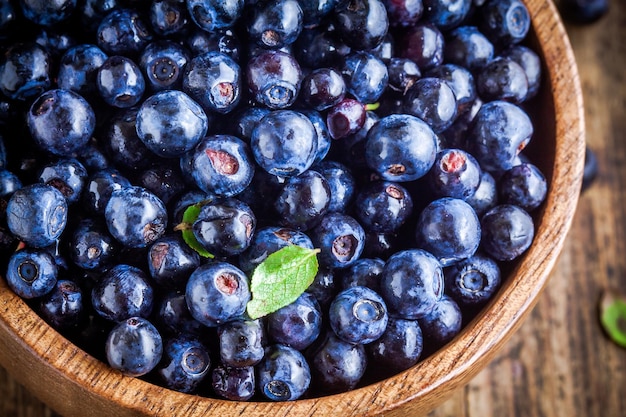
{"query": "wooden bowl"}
(75, 384)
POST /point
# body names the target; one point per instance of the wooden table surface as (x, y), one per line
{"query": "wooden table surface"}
(559, 363)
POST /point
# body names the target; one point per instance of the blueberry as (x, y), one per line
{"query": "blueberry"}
(442, 323)
(47, 13)
(446, 14)
(164, 180)
(340, 238)
(63, 307)
(345, 118)
(284, 143)
(214, 80)
(91, 13)
(485, 196)
(400, 148)
(169, 17)
(241, 343)
(314, 12)
(225, 41)
(323, 287)
(362, 24)
(185, 363)
(78, 69)
(31, 273)
(99, 187)
(365, 272)
(502, 79)
(135, 216)
(320, 47)
(172, 316)
(122, 144)
(473, 281)
(303, 200)
(341, 182)
(461, 80)
(404, 13)
(423, 44)
(274, 79)
(67, 175)
(508, 231)
(323, 134)
(171, 261)
(523, 185)
(24, 71)
(403, 73)
(61, 122)
(245, 120)
(383, 206)
(412, 283)
(336, 365)
(399, 347)
(297, 324)
(530, 63)
(455, 173)
(120, 82)
(284, 374)
(275, 23)
(236, 384)
(91, 245)
(216, 293)
(267, 240)
(432, 100)
(163, 63)
(170, 123)
(366, 76)
(134, 347)
(505, 22)
(225, 227)
(123, 292)
(9, 183)
(322, 88)
(37, 214)
(222, 165)
(213, 15)
(358, 315)
(123, 31)
(591, 168)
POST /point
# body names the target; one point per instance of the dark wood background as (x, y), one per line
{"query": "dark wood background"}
(559, 363)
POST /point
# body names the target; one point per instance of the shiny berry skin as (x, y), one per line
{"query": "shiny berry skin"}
(323, 134)
(399, 347)
(214, 15)
(502, 79)
(365, 75)
(135, 216)
(171, 315)
(403, 73)
(449, 229)
(341, 240)
(341, 182)
(163, 63)
(432, 100)
(24, 71)
(365, 272)
(501, 130)
(400, 148)
(225, 227)
(47, 13)
(337, 365)
(412, 283)
(404, 13)
(461, 81)
(297, 324)
(505, 22)
(123, 32)
(214, 80)
(37, 214)
(422, 44)
(303, 200)
(274, 79)
(134, 347)
(523, 185)
(345, 118)
(473, 281)
(362, 24)
(245, 120)
(122, 144)
(485, 196)
(31, 273)
(78, 69)
(168, 17)
(67, 175)
(314, 11)
(508, 231)
(284, 143)
(165, 181)
(62, 307)
(120, 82)
(100, 185)
(241, 343)
(171, 261)
(455, 173)
(222, 165)
(320, 47)
(91, 246)
(170, 123)
(123, 292)
(530, 63)
(383, 206)
(267, 240)
(468, 47)
(61, 121)
(236, 384)
(358, 315)
(284, 374)
(276, 23)
(446, 14)
(442, 323)
(323, 88)
(184, 365)
(217, 293)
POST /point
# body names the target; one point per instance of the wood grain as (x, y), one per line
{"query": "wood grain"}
(557, 364)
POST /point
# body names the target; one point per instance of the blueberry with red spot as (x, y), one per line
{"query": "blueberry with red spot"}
(171, 261)
(340, 238)
(455, 173)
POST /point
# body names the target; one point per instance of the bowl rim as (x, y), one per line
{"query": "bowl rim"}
(39, 357)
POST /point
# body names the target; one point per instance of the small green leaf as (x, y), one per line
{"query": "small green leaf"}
(613, 317)
(189, 216)
(281, 278)
(372, 106)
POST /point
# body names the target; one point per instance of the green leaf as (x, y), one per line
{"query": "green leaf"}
(613, 317)
(189, 216)
(281, 278)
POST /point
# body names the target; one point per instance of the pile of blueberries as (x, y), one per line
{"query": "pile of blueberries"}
(388, 134)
